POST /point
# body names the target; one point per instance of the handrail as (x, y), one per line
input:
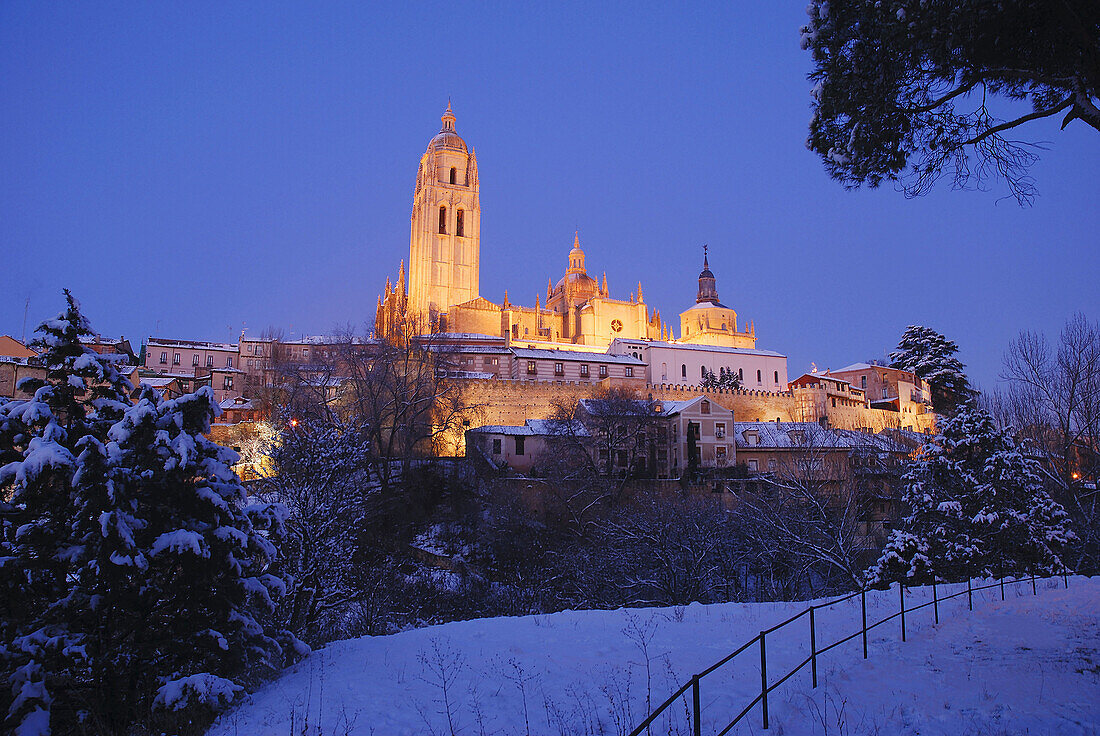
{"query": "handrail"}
(815, 651)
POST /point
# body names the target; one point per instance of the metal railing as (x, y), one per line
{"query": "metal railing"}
(760, 640)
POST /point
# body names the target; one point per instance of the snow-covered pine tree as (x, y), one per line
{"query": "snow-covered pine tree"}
(134, 576)
(725, 380)
(977, 508)
(931, 356)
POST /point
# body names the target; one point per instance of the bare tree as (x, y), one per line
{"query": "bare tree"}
(1053, 400)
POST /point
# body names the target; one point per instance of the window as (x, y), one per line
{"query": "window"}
(460, 224)
(584, 370)
(759, 377)
(250, 347)
(175, 358)
(683, 371)
(705, 407)
(777, 376)
(720, 430)
(702, 371)
(532, 368)
(496, 446)
(629, 372)
(771, 464)
(443, 220)
(559, 369)
(227, 382)
(519, 445)
(863, 381)
(752, 466)
(720, 454)
(194, 359)
(229, 362)
(209, 361)
(834, 403)
(249, 362)
(603, 371)
(164, 357)
(741, 374)
(884, 392)
(752, 438)
(454, 174)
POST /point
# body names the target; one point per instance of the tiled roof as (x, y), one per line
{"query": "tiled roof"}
(810, 435)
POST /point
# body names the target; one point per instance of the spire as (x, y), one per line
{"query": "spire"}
(506, 304)
(603, 289)
(576, 256)
(448, 118)
(401, 278)
(549, 289)
(640, 299)
(708, 290)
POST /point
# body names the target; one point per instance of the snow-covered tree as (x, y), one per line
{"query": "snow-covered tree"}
(132, 573)
(724, 380)
(977, 508)
(931, 356)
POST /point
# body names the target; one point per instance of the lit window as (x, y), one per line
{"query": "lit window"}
(584, 370)
(531, 367)
(629, 372)
(603, 371)
(559, 369)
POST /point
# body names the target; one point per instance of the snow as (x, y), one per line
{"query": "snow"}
(180, 541)
(203, 688)
(1026, 665)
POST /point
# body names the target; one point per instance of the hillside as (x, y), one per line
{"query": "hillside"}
(1027, 665)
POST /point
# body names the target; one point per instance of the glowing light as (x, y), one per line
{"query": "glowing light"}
(294, 422)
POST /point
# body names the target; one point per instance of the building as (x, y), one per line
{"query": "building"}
(888, 388)
(183, 357)
(710, 322)
(12, 348)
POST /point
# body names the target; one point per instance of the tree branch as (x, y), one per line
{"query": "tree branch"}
(1019, 121)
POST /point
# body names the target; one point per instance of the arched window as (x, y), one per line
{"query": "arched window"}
(741, 373)
(683, 371)
(460, 222)
(454, 174)
(703, 371)
(777, 376)
(759, 377)
(443, 219)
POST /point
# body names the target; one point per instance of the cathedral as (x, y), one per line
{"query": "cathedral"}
(442, 290)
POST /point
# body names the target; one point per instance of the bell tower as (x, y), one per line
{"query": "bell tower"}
(445, 231)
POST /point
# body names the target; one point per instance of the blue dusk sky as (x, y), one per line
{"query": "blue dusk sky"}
(194, 169)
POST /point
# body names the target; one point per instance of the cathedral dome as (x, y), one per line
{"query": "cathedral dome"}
(447, 139)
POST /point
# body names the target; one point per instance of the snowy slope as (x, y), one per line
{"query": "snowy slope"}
(1027, 665)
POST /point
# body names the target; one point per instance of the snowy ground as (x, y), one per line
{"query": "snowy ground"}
(1029, 665)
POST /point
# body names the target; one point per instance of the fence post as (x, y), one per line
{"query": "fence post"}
(698, 725)
(935, 602)
(763, 680)
(863, 605)
(1033, 591)
(969, 595)
(1065, 579)
(901, 595)
(813, 647)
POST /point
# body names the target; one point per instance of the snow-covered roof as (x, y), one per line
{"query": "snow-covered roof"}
(163, 342)
(671, 408)
(239, 402)
(810, 435)
(711, 348)
(821, 377)
(532, 428)
(530, 354)
(706, 305)
(157, 382)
